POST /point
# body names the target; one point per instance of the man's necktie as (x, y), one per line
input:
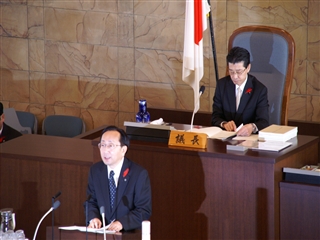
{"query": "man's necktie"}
(113, 189)
(238, 97)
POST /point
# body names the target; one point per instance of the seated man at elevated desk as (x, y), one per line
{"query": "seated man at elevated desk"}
(6, 132)
(240, 98)
(121, 186)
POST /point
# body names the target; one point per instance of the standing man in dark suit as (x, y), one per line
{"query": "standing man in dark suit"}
(252, 101)
(132, 200)
(6, 132)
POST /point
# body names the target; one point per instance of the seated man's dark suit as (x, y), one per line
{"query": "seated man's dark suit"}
(133, 196)
(8, 133)
(253, 106)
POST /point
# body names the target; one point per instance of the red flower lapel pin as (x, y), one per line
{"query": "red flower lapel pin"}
(249, 90)
(125, 173)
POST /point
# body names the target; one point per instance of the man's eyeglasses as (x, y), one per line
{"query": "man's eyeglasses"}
(109, 146)
(238, 72)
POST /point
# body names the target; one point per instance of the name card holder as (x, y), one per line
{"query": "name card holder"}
(188, 139)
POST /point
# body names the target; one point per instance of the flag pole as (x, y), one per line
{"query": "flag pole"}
(213, 45)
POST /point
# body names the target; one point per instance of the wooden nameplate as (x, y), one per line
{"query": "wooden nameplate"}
(188, 139)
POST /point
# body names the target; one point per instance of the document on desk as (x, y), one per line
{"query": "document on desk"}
(215, 132)
(252, 137)
(84, 229)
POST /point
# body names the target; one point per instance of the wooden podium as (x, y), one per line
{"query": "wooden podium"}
(67, 235)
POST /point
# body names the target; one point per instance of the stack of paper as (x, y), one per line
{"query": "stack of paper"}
(278, 133)
(265, 146)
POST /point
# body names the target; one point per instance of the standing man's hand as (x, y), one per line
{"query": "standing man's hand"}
(229, 126)
(115, 226)
(95, 223)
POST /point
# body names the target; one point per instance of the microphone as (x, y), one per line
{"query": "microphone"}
(201, 91)
(52, 221)
(57, 195)
(88, 198)
(202, 88)
(55, 206)
(103, 221)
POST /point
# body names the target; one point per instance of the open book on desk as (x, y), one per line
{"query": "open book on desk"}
(84, 229)
(215, 132)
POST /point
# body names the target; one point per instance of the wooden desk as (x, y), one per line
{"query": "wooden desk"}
(300, 211)
(215, 194)
(33, 169)
(73, 235)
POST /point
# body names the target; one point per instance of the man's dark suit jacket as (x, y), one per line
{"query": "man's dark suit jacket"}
(133, 197)
(253, 106)
(8, 133)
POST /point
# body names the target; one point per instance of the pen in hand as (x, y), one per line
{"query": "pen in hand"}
(238, 128)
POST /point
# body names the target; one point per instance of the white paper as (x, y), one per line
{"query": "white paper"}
(214, 132)
(83, 229)
(266, 146)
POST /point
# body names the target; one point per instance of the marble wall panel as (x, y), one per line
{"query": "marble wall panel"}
(126, 96)
(156, 33)
(297, 107)
(248, 11)
(313, 108)
(125, 7)
(81, 59)
(62, 110)
(218, 10)
(63, 90)
(99, 93)
(14, 53)
(313, 78)
(36, 3)
(158, 66)
(37, 87)
(109, 54)
(126, 63)
(36, 55)
(15, 85)
(13, 20)
(313, 44)
(300, 36)
(299, 83)
(61, 24)
(128, 117)
(162, 9)
(185, 98)
(220, 36)
(19, 106)
(71, 5)
(35, 22)
(98, 28)
(96, 118)
(313, 13)
(157, 94)
(125, 30)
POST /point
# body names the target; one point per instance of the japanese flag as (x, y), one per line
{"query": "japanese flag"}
(195, 24)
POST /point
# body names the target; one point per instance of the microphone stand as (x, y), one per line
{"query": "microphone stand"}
(52, 221)
(88, 198)
(55, 206)
(103, 221)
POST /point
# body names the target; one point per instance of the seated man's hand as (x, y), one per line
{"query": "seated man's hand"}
(95, 223)
(230, 126)
(246, 130)
(115, 226)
